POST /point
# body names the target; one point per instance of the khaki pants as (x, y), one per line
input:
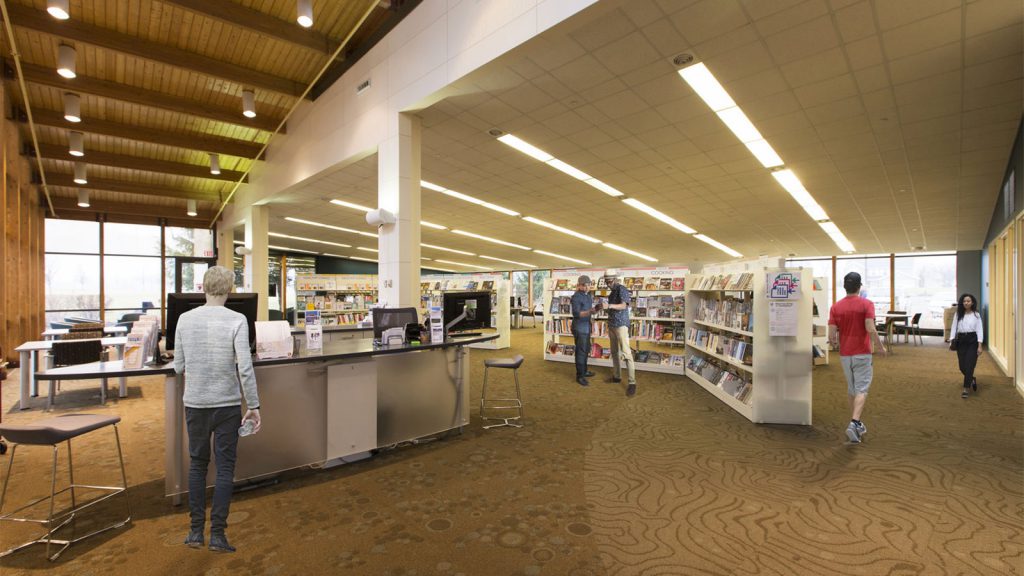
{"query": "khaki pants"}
(621, 352)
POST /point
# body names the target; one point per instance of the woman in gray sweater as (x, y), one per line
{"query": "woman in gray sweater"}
(211, 346)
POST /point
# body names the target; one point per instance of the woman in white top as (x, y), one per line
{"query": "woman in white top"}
(967, 335)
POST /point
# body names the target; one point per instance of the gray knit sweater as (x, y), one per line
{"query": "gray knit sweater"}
(207, 343)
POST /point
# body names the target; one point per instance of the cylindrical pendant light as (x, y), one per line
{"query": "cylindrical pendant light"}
(83, 198)
(66, 61)
(305, 13)
(214, 163)
(80, 173)
(72, 107)
(58, 9)
(76, 143)
(249, 103)
(192, 208)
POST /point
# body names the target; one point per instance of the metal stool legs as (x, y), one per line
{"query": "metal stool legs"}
(64, 518)
(514, 404)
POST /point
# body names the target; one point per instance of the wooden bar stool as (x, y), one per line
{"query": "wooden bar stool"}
(514, 403)
(52, 432)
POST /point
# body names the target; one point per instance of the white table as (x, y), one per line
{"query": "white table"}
(890, 320)
(517, 316)
(28, 353)
(51, 333)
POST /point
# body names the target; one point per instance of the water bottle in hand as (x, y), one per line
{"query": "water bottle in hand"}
(247, 428)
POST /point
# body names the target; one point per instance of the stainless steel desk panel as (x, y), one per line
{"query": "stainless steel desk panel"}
(421, 393)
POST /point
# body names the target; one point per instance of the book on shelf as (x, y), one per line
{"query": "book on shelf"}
(679, 283)
(665, 284)
(487, 285)
(651, 284)
(562, 284)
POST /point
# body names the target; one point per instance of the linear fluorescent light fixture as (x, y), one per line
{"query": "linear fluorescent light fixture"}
(764, 153)
(796, 189)
(833, 232)
(432, 225)
(365, 249)
(352, 205)
(561, 257)
(538, 154)
(659, 215)
(432, 267)
(329, 226)
(463, 264)
(304, 239)
(509, 261)
(707, 87)
(561, 229)
(452, 250)
(287, 249)
(489, 239)
(718, 245)
(628, 251)
(467, 198)
(360, 258)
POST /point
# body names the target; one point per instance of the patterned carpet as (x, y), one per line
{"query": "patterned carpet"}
(671, 482)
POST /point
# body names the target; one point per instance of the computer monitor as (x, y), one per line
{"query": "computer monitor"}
(384, 318)
(466, 311)
(178, 303)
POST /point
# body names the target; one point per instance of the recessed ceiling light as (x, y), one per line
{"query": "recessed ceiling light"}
(489, 239)
(58, 9)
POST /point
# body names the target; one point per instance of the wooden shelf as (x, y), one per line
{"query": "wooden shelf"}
(745, 409)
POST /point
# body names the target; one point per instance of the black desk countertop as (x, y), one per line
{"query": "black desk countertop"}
(331, 351)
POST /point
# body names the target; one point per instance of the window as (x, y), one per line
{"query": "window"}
(874, 274)
(820, 267)
(195, 242)
(72, 284)
(129, 282)
(521, 286)
(133, 239)
(537, 297)
(926, 284)
(72, 236)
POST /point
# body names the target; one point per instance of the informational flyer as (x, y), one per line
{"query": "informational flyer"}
(782, 318)
(314, 337)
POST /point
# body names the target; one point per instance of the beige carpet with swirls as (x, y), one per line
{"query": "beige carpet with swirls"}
(671, 482)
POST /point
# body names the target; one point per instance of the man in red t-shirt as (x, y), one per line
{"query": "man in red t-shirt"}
(851, 326)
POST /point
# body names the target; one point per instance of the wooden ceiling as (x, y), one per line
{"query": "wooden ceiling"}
(160, 84)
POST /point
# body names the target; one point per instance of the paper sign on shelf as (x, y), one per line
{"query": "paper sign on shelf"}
(314, 337)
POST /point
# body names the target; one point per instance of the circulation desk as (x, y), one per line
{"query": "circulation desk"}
(322, 407)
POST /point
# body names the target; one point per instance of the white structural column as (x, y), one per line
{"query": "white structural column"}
(398, 175)
(225, 246)
(257, 279)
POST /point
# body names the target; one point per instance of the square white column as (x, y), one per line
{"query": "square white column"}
(257, 275)
(398, 175)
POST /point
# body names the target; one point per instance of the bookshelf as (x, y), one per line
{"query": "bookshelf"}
(433, 287)
(342, 299)
(819, 320)
(657, 317)
(731, 353)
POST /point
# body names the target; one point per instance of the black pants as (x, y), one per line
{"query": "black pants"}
(967, 354)
(582, 351)
(222, 424)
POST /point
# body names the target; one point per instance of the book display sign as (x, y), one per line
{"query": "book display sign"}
(783, 292)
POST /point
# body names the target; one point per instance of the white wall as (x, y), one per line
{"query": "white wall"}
(436, 44)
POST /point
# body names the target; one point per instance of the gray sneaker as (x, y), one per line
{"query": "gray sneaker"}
(853, 433)
(862, 430)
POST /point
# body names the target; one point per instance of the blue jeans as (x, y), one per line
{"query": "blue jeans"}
(222, 424)
(582, 352)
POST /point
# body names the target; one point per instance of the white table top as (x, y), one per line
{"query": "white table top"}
(63, 331)
(47, 344)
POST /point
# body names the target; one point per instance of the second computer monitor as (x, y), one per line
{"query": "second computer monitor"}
(475, 305)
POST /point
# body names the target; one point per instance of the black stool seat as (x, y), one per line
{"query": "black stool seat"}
(56, 430)
(512, 363)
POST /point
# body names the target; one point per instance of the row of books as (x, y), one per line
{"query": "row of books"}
(564, 326)
(639, 329)
(340, 319)
(651, 357)
(741, 281)
(732, 383)
(644, 307)
(485, 285)
(310, 282)
(598, 351)
(331, 302)
(735, 348)
(731, 312)
(676, 283)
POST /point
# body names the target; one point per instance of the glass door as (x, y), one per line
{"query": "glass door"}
(188, 273)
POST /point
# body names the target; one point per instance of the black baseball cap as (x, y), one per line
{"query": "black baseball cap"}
(851, 282)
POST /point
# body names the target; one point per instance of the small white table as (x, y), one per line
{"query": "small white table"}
(890, 320)
(51, 333)
(517, 316)
(28, 354)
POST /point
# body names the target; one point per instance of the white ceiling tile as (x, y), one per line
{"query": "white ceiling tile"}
(865, 53)
(788, 17)
(995, 71)
(856, 21)
(773, 106)
(797, 42)
(757, 86)
(983, 17)
(939, 60)
(708, 19)
(603, 30)
(895, 14)
(665, 38)
(642, 12)
(941, 105)
(583, 72)
(922, 35)
(626, 54)
(839, 88)
(739, 63)
(879, 100)
(816, 68)
(872, 79)
(926, 89)
(996, 44)
(726, 42)
(604, 90)
(1006, 92)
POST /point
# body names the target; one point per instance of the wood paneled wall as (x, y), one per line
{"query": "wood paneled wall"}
(22, 277)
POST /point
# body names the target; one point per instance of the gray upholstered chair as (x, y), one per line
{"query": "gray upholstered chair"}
(53, 432)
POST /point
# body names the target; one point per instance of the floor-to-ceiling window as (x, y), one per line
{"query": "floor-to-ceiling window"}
(72, 279)
(874, 274)
(925, 284)
(537, 290)
(521, 287)
(132, 269)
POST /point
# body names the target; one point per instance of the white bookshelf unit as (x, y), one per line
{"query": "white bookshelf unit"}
(731, 354)
(820, 321)
(660, 322)
(433, 287)
(342, 299)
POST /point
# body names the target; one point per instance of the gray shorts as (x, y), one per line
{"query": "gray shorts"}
(858, 372)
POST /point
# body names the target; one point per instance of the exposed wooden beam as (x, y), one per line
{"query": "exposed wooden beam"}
(67, 181)
(55, 152)
(240, 148)
(265, 24)
(266, 121)
(26, 17)
(64, 206)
